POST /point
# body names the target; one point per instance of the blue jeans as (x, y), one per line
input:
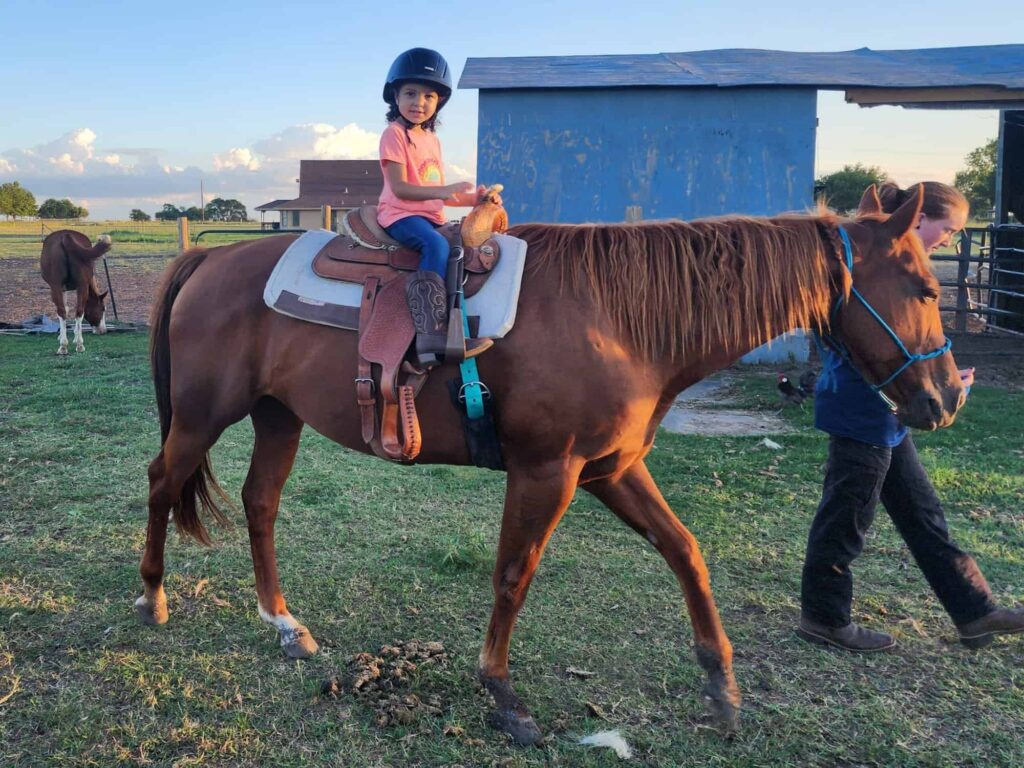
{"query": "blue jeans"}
(857, 477)
(421, 234)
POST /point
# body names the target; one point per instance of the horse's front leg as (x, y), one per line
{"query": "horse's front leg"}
(277, 441)
(535, 499)
(635, 498)
(81, 298)
(57, 295)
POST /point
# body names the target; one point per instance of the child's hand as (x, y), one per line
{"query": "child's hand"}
(460, 193)
(967, 378)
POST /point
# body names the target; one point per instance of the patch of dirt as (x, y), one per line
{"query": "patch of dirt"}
(23, 294)
(693, 414)
(382, 681)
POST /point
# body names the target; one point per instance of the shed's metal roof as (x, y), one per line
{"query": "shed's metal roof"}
(981, 65)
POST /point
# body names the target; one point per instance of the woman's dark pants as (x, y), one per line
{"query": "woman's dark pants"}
(857, 476)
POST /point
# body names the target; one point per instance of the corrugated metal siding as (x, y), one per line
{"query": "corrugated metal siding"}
(585, 155)
(991, 65)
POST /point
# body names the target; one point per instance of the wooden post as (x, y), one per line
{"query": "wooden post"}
(182, 234)
(634, 213)
(325, 214)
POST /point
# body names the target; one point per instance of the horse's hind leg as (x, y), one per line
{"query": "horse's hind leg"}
(635, 498)
(277, 440)
(57, 295)
(535, 499)
(179, 457)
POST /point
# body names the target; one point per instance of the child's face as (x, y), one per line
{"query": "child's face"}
(417, 102)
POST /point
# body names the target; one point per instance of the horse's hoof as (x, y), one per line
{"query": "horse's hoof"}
(62, 350)
(510, 715)
(151, 614)
(724, 703)
(80, 348)
(519, 726)
(298, 643)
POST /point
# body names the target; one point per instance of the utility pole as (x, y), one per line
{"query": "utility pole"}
(202, 202)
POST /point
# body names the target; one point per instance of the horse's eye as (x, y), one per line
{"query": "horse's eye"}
(929, 295)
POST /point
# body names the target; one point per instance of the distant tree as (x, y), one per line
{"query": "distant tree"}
(842, 189)
(193, 213)
(137, 215)
(978, 180)
(220, 209)
(15, 200)
(61, 209)
(169, 213)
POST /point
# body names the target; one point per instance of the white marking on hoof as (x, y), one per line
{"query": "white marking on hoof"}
(79, 344)
(284, 623)
(295, 638)
(151, 607)
(62, 338)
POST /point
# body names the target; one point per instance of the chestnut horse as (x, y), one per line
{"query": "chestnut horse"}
(613, 322)
(68, 263)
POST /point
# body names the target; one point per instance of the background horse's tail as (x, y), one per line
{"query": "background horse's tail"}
(201, 485)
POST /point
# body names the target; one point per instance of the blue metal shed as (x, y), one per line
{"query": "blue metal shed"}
(581, 138)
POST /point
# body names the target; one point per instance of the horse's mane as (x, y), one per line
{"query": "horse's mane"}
(669, 285)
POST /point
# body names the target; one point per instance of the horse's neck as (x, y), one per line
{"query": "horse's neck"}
(777, 294)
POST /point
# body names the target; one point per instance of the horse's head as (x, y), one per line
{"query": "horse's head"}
(890, 320)
(95, 311)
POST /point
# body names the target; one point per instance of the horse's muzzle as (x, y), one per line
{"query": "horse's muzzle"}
(931, 409)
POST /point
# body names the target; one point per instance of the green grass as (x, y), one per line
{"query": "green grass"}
(370, 553)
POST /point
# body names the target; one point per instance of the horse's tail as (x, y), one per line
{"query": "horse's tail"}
(201, 485)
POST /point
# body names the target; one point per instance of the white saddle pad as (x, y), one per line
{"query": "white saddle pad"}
(495, 303)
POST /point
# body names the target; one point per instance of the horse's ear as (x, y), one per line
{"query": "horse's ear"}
(906, 216)
(870, 204)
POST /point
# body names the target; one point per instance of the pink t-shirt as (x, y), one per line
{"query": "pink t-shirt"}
(422, 160)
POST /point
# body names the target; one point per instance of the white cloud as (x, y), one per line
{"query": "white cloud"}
(119, 178)
(458, 173)
(320, 141)
(236, 158)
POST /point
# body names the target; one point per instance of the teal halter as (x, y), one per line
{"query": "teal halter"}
(841, 349)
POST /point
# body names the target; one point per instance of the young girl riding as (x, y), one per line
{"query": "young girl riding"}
(411, 206)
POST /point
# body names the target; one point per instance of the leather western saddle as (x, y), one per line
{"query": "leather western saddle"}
(365, 254)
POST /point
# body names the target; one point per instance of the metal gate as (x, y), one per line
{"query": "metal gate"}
(987, 294)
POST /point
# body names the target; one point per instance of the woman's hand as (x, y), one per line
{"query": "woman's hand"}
(967, 378)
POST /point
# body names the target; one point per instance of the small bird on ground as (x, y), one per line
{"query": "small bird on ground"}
(789, 392)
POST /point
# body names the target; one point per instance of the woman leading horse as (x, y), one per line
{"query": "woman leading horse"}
(613, 322)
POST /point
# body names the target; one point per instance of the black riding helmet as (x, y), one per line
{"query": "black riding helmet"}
(420, 65)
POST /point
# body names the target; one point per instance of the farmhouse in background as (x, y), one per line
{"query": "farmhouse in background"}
(341, 184)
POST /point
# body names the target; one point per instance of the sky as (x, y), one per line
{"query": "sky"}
(121, 105)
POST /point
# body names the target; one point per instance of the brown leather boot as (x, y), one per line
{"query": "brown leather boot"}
(428, 303)
(981, 632)
(849, 638)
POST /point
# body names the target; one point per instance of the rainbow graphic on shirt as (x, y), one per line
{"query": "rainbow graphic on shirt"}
(430, 172)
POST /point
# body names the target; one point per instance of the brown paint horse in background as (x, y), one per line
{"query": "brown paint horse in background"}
(613, 322)
(68, 263)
